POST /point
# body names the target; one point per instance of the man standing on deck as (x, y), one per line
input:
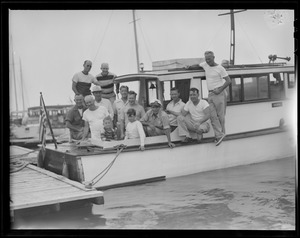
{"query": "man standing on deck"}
(106, 80)
(217, 80)
(82, 81)
(93, 118)
(99, 101)
(74, 120)
(195, 115)
(120, 103)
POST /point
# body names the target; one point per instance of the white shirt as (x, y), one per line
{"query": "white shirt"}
(95, 120)
(107, 104)
(118, 105)
(135, 130)
(214, 75)
(196, 111)
(81, 77)
(177, 107)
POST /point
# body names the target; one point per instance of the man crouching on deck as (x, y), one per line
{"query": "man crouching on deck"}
(194, 118)
(156, 122)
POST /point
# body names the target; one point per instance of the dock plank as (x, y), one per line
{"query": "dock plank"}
(32, 186)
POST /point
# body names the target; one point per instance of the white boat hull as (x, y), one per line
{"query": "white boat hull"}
(132, 166)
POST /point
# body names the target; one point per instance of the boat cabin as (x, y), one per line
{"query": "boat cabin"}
(56, 113)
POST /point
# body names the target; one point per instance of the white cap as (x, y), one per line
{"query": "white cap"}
(96, 88)
(156, 101)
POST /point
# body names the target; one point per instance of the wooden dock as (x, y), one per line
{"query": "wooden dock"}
(33, 187)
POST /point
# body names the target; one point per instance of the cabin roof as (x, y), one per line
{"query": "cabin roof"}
(182, 73)
(52, 107)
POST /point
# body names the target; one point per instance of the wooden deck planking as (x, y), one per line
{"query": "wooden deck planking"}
(33, 187)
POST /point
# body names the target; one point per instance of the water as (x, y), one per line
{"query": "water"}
(252, 197)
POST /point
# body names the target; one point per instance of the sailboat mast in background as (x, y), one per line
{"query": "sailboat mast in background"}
(136, 43)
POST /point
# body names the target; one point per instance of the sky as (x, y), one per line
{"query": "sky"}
(47, 47)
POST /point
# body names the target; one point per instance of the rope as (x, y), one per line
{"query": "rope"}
(250, 41)
(21, 155)
(103, 35)
(119, 148)
(145, 41)
(17, 165)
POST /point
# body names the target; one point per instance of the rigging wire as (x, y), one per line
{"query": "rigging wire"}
(217, 32)
(250, 41)
(145, 41)
(103, 35)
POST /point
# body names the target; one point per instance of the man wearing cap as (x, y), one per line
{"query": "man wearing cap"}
(82, 81)
(100, 101)
(93, 118)
(74, 120)
(106, 80)
(156, 122)
(194, 118)
(132, 103)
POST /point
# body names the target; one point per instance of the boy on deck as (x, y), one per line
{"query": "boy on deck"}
(134, 128)
(109, 132)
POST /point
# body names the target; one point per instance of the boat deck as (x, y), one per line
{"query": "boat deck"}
(32, 187)
(23, 154)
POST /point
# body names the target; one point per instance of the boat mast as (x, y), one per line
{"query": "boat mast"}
(136, 43)
(232, 34)
(13, 74)
(22, 88)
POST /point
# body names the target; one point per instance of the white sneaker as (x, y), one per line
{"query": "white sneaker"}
(219, 141)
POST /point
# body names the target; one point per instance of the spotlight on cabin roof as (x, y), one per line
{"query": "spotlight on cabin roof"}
(225, 63)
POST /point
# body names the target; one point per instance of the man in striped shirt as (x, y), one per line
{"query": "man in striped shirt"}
(106, 80)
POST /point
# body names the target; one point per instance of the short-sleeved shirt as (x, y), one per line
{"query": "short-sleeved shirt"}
(214, 75)
(95, 120)
(196, 111)
(176, 107)
(160, 120)
(75, 118)
(106, 103)
(118, 105)
(84, 82)
(140, 112)
(107, 84)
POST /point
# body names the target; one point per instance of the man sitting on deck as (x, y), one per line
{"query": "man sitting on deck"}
(174, 108)
(156, 122)
(74, 120)
(195, 115)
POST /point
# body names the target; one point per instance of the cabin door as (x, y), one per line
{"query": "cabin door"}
(184, 89)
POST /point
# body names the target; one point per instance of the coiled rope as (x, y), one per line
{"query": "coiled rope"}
(17, 165)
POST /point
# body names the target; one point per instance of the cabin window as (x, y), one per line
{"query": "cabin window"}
(276, 86)
(234, 90)
(291, 80)
(256, 87)
(166, 86)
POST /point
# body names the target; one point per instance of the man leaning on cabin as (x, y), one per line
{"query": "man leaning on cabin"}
(74, 120)
(194, 118)
(82, 81)
(156, 122)
(217, 80)
(174, 108)
(106, 80)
